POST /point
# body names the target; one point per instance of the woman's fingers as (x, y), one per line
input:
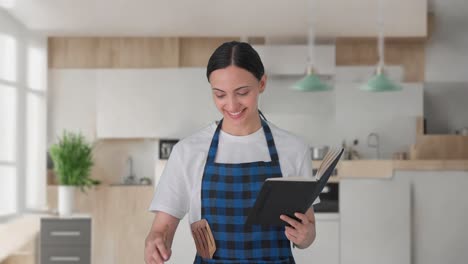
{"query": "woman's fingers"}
(291, 237)
(161, 247)
(290, 221)
(294, 232)
(304, 219)
(156, 251)
(157, 258)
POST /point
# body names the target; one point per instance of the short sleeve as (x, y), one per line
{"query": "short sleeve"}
(172, 195)
(305, 169)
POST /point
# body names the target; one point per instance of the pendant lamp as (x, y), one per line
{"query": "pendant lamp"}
(311, 82)
(380, 82)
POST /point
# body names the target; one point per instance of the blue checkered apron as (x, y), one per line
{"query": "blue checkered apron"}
(228, 192)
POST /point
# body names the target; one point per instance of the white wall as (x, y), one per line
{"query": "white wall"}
(346, 113)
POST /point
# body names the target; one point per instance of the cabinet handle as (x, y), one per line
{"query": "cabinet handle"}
(65, 233)
(60, 258)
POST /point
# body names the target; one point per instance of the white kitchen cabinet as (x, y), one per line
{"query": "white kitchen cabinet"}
(375, 221)
(155, 103)
(326, 247)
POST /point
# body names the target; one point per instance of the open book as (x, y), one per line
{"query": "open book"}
(288, 195)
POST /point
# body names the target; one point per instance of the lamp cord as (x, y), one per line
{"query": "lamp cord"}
(311, 34)
(380, 22)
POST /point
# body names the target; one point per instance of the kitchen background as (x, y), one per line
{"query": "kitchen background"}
(127, 90)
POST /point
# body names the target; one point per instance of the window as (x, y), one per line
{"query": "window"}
(8, 59)
(23, 94)
(8, 126)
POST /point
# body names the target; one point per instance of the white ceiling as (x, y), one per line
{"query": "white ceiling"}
(216, 17)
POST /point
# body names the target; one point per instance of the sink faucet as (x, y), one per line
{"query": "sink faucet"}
(131, 176)
(373, 142)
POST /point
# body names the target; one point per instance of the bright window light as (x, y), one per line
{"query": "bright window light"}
(8, 47)
(37, 65)
(7, 4)
(7, 123)
(8, 204)
(35, 151)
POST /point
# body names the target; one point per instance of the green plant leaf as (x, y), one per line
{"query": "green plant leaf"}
(73, 160)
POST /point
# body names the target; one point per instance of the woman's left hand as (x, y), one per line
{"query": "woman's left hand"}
(301, 233)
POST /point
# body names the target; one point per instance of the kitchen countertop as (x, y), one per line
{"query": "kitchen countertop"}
(17, 233)
(386, 168)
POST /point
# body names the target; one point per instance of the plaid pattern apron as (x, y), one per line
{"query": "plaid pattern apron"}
(228, 192)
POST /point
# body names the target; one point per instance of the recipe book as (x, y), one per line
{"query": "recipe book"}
(288, 195)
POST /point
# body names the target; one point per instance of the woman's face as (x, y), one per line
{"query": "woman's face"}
(235, 93)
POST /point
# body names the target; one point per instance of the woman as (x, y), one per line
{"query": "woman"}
(215, 174)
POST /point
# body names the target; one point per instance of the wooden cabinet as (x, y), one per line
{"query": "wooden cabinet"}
(153, 103)
(65, 240)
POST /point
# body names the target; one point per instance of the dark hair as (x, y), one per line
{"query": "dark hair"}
(240, 54)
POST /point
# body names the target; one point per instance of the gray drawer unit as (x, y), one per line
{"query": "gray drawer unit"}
(65, 240)
(65, 231)
(65, 255)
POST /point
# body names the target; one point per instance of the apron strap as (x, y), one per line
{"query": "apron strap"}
(261, 115)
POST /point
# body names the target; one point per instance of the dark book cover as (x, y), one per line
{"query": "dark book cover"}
(287, 196)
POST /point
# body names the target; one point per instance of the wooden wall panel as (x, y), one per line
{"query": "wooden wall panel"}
(113, 52)
(148, 53)
(443, 147)
(410, 53)
(158, 52)
(195, 52)
(71, 52)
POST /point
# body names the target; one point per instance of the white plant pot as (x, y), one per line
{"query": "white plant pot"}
(66, 199)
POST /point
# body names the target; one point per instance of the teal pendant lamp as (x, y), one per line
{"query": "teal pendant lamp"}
(311, 82)
(380, 82)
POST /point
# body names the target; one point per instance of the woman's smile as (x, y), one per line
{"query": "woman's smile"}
(236, 115)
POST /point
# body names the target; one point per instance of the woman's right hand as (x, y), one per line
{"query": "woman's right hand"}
(157, 250)
(159, 240)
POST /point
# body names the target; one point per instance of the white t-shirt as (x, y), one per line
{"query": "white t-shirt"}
(179, 189)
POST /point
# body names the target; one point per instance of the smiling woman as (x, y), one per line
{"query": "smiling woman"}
(216, 174)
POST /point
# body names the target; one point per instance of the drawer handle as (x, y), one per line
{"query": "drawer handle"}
(70, 259)
(65, 233)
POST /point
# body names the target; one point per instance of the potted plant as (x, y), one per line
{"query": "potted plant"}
(73, 160)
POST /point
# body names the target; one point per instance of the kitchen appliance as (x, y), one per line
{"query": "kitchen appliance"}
(329, 199)
(318, 153)
(165, 147)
